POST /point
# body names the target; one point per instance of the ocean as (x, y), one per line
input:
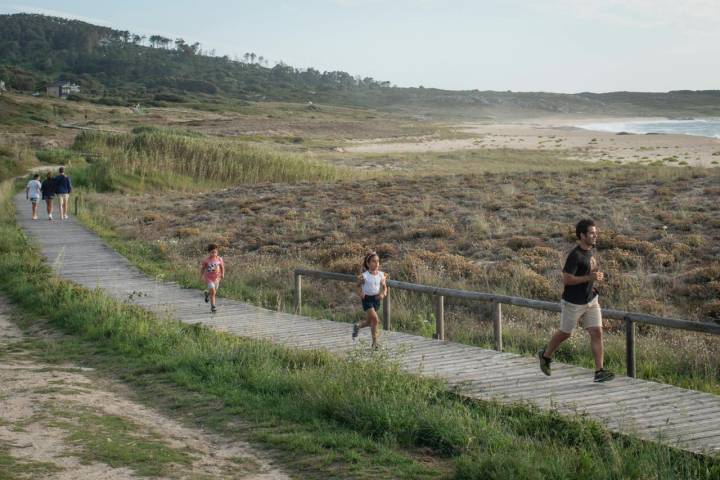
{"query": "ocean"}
(709, 127)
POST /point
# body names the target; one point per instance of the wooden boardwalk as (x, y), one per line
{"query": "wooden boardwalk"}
(653, 411)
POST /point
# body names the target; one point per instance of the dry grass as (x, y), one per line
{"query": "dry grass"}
(503, 233)
(494, 232)
(162, 153)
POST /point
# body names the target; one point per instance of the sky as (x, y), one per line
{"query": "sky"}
(563, 46)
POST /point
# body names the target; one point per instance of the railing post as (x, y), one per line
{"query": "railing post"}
(298, 293)
(76, 204)
(440, 317)
(630, 347)
(497, 325)
(386, 311)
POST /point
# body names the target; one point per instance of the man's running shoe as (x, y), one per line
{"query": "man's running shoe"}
(603, 375)
(356, 330)
(207, 296)
(544, 362)
(213, 309)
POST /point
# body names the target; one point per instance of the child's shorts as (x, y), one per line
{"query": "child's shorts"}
(371, 301)
(213, 285)
(33, 200)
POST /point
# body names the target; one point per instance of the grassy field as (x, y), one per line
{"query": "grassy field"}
(369, 421)
(488, 219)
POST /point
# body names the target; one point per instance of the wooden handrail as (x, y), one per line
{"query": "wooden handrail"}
(630, 318)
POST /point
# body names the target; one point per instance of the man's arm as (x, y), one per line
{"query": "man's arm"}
(570, 279)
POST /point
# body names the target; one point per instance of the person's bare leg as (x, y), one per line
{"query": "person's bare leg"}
(366, 322)
(373, 326)
(49, 205)
(212, 296)
(34, 210)
(63, 207)
(555, 341)
(596, 344)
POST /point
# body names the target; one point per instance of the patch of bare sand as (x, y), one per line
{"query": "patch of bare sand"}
(30, 390)
(556, 135)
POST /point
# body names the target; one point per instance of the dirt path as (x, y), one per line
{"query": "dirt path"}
(65, 422)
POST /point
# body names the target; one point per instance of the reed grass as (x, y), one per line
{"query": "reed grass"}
(15, 159)
(153, 153)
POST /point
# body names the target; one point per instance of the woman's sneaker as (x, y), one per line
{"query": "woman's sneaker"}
(603, 375)
(213, 309)
(356, 330)
(207, 296)
(544, 362)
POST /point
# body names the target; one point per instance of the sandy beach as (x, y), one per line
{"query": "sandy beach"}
(561, 134)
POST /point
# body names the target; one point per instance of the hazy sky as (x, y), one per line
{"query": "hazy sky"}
(519, 45)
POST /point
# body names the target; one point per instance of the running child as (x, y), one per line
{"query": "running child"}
(212, 271)
(32, 193)
(372, 288)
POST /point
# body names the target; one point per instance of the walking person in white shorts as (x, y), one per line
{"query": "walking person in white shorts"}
(32, 193)
(580, 301)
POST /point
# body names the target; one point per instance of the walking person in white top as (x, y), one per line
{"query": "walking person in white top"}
(372, 288)
(32, 193)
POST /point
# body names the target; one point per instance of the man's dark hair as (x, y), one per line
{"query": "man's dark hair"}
(61, 170)
(212, 247)
(582, 227)
(36, 176)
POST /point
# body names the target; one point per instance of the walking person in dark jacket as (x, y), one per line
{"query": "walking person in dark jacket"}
(47, 188)
(63, 188)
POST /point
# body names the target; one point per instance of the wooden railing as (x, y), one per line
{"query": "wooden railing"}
(497, 301)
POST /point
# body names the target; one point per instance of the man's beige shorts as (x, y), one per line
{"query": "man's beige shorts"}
(588, 313)
(63, 196)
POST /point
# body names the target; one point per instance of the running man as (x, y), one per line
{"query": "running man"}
(580, 301)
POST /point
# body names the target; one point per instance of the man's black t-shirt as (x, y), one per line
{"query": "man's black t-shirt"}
(578, 263)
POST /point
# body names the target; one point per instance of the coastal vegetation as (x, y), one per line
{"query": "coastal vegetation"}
(497, 232)
(395, 426)
(155, 154)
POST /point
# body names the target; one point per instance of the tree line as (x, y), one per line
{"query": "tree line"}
(35, 49)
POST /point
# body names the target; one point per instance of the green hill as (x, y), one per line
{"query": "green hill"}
(118, 67)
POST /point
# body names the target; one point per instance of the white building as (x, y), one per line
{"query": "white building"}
(61, 89)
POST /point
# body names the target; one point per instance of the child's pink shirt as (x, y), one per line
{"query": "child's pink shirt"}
(211, 268)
